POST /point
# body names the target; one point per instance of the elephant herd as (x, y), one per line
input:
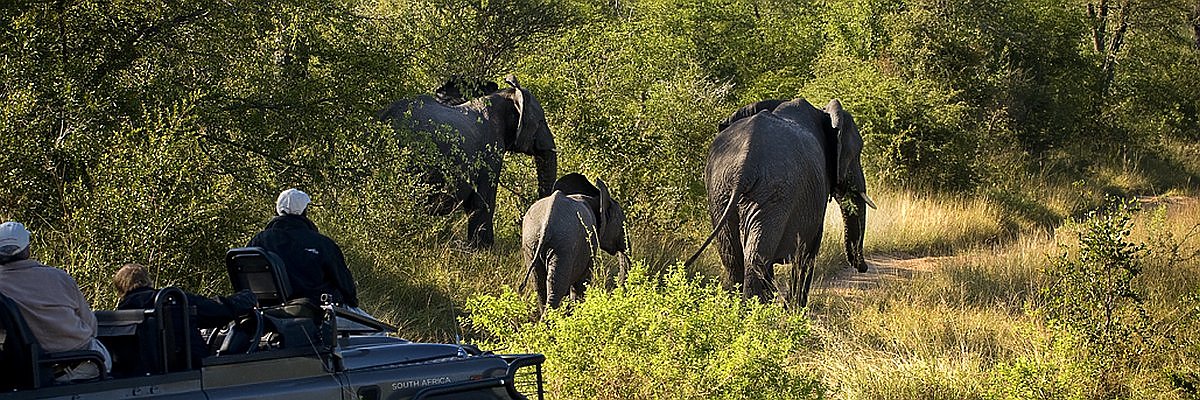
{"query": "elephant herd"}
(771, 170)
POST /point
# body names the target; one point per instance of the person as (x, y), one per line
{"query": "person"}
(137, 292)
(315, 264)
(58, 315)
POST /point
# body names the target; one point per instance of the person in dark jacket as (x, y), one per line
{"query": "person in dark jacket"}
(315, 264)
(137, 293)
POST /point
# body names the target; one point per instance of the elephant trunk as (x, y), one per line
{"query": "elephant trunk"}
(547, 171)
(854, 214)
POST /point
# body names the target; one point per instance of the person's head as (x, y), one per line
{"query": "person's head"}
(14, 242)
(292, 202)
(130, 277)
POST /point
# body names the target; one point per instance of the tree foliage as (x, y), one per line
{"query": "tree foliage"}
(158, 132)
(679, 338)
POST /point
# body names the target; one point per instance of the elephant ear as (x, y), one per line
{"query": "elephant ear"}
(611, 222)
(605, 199)
(849, 147)
(530, 118)
(576, 183)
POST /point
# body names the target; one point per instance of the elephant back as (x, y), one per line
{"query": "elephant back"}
(748, 111)
(557, 221)
(763, 152)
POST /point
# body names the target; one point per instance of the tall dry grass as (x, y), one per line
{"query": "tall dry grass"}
(913, 224)
(962, 323)
(968, 326)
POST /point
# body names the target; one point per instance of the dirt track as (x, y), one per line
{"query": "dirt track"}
(882, 267)
(846, 281)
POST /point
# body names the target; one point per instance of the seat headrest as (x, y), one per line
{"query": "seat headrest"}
(259, 271)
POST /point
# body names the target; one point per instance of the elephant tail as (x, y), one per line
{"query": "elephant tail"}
(733, 199)
(537, 255)
(533, 261)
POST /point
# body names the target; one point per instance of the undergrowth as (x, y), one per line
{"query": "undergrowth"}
(673, 336)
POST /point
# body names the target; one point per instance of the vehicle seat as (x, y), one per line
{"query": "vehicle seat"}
(261, 272)
(151, 341)
(287, 322)
(23, 363)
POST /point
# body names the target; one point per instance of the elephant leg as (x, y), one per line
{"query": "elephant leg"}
(762, 233)
(579, 287)
(810, 269)
(729, 245)
(557, 281)
(479, 220)
(806, 262)
(482, 206)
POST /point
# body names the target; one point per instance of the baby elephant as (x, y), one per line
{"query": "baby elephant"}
(561, 232)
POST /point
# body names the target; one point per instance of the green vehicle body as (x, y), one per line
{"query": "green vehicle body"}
(359, 367)
(335, 354)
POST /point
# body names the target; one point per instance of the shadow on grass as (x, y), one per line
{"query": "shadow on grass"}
(1020, 211)
(1167, 171)
(422, 311)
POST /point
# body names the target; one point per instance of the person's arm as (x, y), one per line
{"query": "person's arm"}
(341, 272)
(82, 308)
(209, 313)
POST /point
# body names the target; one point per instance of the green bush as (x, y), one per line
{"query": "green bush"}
(1029, 379)
(1095, 300)
(679, 337)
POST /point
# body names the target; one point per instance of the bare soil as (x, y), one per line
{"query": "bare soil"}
(882, 267)
(847, 282)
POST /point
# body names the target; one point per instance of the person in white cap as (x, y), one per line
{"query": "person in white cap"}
(315, 264)
(50, 301)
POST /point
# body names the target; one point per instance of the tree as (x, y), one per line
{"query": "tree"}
(1109, 24)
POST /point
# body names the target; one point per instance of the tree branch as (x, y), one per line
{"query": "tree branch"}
(126, 53)
(1196, 24)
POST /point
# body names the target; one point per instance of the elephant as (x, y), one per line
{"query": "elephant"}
(771, 170)
(471, 138)
(560, 235)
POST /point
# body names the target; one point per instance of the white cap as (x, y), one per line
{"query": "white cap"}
(292, 201)
(13, 238)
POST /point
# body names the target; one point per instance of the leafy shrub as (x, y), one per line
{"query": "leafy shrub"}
(1094, 297)
(1026, 378)
(681, 337)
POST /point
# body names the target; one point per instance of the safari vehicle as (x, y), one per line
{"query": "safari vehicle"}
(275, 353)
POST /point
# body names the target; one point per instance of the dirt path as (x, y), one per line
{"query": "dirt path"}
(892, 267)
(883, 267)
(1149, 203)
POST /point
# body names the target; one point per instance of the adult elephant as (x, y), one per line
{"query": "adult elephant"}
(471, 137)
(771, 170)
(561, 236)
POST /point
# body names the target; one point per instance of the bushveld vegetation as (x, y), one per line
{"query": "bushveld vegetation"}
(160, 132)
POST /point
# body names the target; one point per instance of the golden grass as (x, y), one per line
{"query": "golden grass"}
(939, 331)
(942, 331)
(907, 222)
(911, 224)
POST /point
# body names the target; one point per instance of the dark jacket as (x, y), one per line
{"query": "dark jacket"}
(315, 264)
(210, 314)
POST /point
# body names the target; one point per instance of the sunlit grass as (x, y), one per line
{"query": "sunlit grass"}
(962, 323)
(915, 224)
(960, 327)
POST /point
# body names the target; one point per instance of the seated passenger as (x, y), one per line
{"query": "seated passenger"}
(314, 263)
(50, 301)
(134, 284)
